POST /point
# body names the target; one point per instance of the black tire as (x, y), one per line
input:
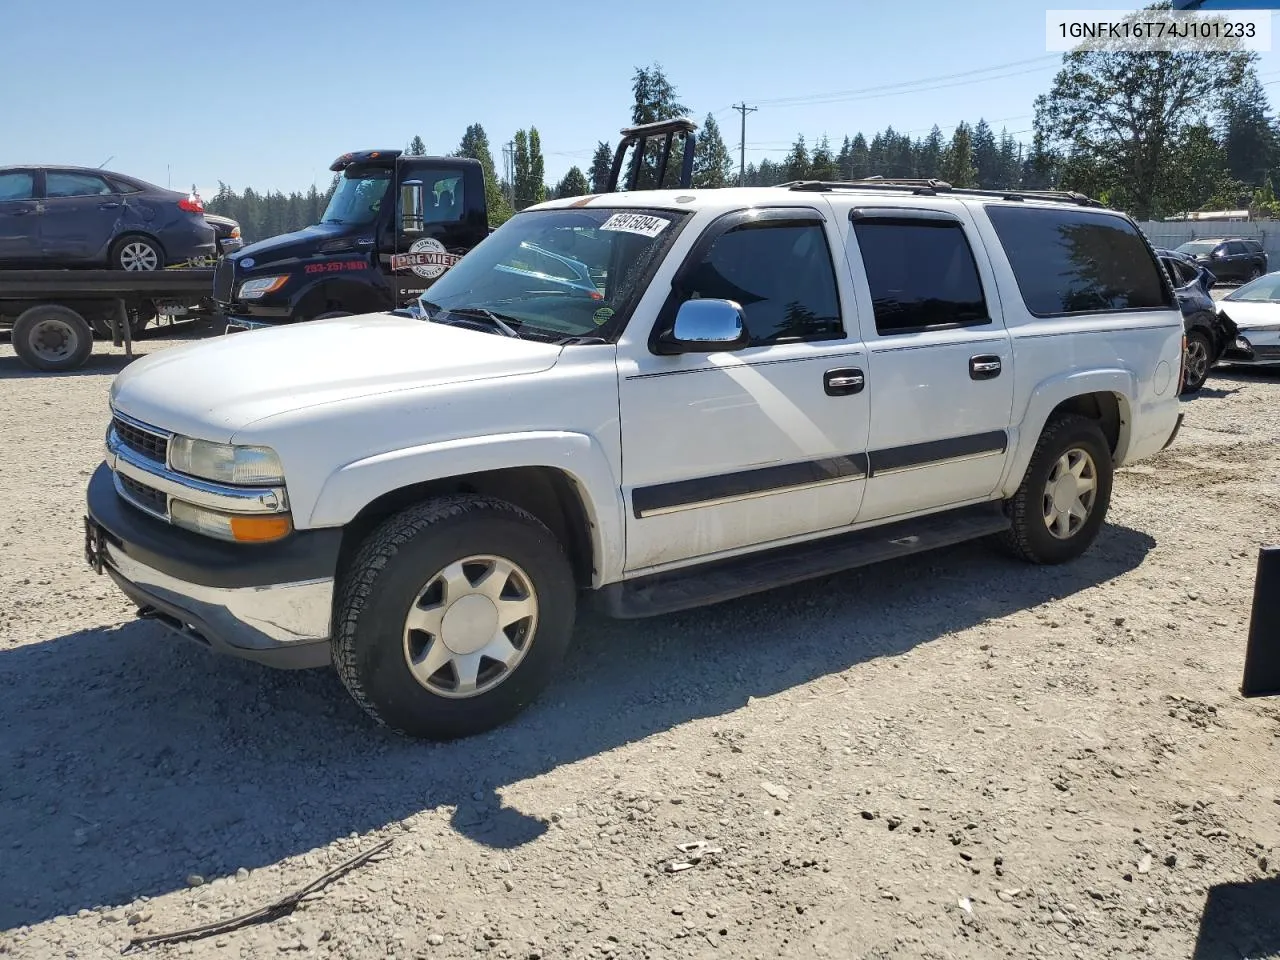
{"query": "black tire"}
(1029, 537)
(396, 561)
(1254, 274)
(1198, 360)
(136, 252)
(52, 337)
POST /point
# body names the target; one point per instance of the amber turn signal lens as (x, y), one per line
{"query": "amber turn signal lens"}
(260, 529)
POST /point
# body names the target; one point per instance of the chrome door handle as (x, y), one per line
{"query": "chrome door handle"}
(842, 382)
(984, 367)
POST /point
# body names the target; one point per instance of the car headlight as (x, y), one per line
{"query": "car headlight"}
(254, 289)
(238, 528)
(224, 463)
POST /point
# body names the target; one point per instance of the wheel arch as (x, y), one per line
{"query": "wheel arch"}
(562, 479)
(325, 296)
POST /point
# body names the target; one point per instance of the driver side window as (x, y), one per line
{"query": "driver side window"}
(782, 275)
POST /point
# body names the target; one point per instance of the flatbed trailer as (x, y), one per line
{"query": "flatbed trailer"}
(53, 314)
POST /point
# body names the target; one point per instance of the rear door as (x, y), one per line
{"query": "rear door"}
(939, 375)
(19, 216)
(81, 211)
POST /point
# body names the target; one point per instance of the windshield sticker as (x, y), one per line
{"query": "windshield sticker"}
(427, 258)
(601, 316)
(641, 223)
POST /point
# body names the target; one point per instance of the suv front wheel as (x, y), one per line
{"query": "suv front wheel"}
(1062, 502)
(453, 617)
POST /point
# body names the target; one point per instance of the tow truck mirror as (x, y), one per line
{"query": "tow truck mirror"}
(707, 326)
(411, 211)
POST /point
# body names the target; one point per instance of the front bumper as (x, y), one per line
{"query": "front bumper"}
(1254, 348)
(271, 603)
(237, 323)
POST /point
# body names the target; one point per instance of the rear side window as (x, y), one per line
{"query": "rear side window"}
(61, 185)
(1078, 261)
(921, 273)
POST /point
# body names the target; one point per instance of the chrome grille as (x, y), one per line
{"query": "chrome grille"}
(153, 446)
(148, 498)
(223, 280)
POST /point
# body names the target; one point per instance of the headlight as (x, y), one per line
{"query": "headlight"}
(237, 528)
(253, 289)
(224, 463)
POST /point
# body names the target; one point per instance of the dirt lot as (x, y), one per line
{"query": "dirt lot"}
(949, 756)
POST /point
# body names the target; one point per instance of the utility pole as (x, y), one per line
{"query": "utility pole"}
(508, 163)
(743, 109)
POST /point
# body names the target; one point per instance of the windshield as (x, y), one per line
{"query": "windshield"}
(357, 199)
(1263, 290)
(1198, 247)
(556, 274)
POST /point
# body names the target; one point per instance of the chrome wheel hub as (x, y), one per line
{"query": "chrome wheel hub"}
(470, 626)
(1069, 493)
(139, 256)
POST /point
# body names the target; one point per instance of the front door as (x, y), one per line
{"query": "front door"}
(939, 370)
(80, 215)
(19, 217)
(418, 251)
(727, 450)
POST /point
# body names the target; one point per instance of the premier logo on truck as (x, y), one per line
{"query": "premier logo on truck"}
(427, 258)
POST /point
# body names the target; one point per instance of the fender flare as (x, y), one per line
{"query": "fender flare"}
(1045, 398)
(578, 456)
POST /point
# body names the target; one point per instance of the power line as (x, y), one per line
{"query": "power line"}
(742, 148)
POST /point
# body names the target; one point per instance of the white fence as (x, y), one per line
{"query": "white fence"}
(1170, 235)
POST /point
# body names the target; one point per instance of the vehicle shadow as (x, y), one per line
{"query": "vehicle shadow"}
(109, 359)
(136, 759)
(1240, 920)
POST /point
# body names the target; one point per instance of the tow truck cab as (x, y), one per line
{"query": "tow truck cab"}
(394, 225)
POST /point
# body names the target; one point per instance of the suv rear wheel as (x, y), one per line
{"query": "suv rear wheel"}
(1062, 502)
(453, 617)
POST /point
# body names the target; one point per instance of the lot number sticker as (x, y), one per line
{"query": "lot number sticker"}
(640, 223)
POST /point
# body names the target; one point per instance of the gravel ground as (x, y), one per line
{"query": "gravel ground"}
(952, 755)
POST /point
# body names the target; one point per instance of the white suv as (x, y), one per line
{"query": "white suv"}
(760, 386)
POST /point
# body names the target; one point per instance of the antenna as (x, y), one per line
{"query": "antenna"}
(106, 161)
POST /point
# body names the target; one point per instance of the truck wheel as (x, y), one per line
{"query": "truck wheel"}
(1199, 354)
(453, 617)
(52, 337)
(136, 253)
(1060, 507)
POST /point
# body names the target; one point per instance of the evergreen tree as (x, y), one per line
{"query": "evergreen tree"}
(655, 98)
(601, 164)
(573, 184)
(877, 157)
(769, 174)
(930, 155)
(844, 159)
(416, 147)
(711, 161)
(1248, 137)
(957, 163)
(797, 162)
(986, 156)
(859, 158)
(522, 182)
(1010, 161)
(822, 166)
(537, 168)
(475, 144)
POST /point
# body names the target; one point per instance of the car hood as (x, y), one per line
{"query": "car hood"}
(1251, 316)
(300, 242)
(214, 388)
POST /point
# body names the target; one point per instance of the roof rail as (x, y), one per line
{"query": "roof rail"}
(932, 187)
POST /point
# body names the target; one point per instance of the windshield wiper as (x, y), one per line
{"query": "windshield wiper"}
(482, 313)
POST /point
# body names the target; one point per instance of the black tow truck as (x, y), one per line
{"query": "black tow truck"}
(394, 225)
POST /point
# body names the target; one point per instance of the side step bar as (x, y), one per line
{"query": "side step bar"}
(730, 579)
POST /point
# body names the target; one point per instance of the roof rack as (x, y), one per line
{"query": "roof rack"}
(931, 187)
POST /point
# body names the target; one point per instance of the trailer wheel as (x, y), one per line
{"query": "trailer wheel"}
(52, 337)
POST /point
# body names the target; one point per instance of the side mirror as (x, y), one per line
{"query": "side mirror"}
(411, 213)
(707, 326)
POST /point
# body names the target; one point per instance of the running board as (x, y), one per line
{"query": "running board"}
(730, 579)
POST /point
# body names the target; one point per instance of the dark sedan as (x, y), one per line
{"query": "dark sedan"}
(1208, 333)
(82, 217)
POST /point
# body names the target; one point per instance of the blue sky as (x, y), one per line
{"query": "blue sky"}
(268, 94)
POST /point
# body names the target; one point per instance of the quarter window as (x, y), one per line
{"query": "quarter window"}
(1078, 261)
(921, 273)
(59, 185)
(781, 274)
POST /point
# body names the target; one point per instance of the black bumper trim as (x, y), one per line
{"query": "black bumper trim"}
(304, 555)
